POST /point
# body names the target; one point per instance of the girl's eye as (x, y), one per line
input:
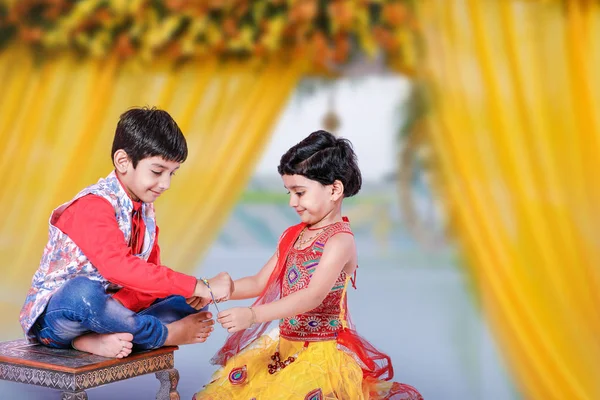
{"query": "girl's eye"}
(299, 194)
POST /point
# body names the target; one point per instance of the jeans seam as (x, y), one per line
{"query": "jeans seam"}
(155, 305)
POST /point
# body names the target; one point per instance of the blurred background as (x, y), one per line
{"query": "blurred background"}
(477, 128)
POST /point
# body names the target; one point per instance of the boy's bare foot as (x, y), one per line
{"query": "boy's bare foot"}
(194, 328)
(112, 345)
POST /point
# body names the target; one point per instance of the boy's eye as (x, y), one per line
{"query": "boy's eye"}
(172, 173)
(299, 194)
(156, 172)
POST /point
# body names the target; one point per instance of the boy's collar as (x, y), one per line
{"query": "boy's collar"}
(137, 205)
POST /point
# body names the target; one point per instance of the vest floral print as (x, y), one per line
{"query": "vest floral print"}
(63, 260)
(323, 322)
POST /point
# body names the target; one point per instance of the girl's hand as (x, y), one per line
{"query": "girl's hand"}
(236, 319)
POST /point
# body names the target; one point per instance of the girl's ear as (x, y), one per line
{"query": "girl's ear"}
(337, 190)
(121, 161)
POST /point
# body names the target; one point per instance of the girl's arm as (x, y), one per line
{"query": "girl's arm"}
(338, 251)
(251, 286)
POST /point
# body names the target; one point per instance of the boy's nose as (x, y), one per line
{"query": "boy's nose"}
(165, 183)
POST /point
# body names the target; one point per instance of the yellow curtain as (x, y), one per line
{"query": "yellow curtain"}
(57, 120)
(515, 124)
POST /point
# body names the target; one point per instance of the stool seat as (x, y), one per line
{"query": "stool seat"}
(74, 371)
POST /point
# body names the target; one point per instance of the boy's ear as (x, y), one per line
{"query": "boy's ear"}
(337, 190)
(121, 161)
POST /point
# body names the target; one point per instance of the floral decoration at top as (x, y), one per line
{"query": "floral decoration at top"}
(327, 33)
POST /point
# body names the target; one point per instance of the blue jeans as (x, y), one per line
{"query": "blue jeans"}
(82, 306)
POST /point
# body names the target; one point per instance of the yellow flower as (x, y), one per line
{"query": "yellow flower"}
(55, 38)
(99, 44)
(83, 9)
(213, 34)
(121, 6)
(272, 37)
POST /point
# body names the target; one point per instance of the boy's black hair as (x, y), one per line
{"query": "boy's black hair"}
(324, 158)
(148, 132)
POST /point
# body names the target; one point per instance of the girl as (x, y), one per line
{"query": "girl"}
(315, 353)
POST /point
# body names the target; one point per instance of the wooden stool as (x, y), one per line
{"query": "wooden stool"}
(74, 371)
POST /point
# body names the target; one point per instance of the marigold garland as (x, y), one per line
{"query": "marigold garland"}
(327, 33)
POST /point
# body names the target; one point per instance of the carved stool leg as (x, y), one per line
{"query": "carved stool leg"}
(74, 395)
(168, 384)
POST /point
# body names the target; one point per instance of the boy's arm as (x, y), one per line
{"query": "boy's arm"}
(252, 286)
(90, 222)
(133, 299)
(338, 251)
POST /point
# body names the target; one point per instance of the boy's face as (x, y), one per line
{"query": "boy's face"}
(149, 179)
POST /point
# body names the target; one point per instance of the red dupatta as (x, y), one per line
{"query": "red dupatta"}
(237, 341)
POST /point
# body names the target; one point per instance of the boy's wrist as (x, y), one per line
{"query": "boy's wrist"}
(201, 289)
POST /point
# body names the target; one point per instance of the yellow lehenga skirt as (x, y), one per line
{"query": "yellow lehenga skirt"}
(319, 371)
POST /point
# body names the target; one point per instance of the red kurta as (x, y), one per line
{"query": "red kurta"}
(90, 222)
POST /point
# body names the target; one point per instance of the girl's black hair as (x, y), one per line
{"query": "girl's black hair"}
(324, 158)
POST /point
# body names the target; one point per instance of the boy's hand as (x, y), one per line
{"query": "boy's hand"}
(221, 286)
(236, 319)
(198, 302)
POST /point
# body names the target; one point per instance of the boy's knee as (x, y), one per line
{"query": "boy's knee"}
(83, 291)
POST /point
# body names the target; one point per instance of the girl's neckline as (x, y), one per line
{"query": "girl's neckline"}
(310, 244)
(322, 227)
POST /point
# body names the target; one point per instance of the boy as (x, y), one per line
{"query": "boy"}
(100, 287)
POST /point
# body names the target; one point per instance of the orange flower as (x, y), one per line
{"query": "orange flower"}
(299, 51)
(124, 48)
(341, 49)
(52, 12)
(385, 38)
(230, 27)
(175, 5)
(322, 53)
(259, 50)
(304, 11)
(240, 9)
(103, 15)
(217, 3)
(31, 35)
(342, 13)
(173, 50)
(289, 31)
(394, 13)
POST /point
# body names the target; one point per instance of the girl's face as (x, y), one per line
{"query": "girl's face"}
(312, 200)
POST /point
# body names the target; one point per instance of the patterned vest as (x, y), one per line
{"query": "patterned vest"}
(325, 321)
(63, 259)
